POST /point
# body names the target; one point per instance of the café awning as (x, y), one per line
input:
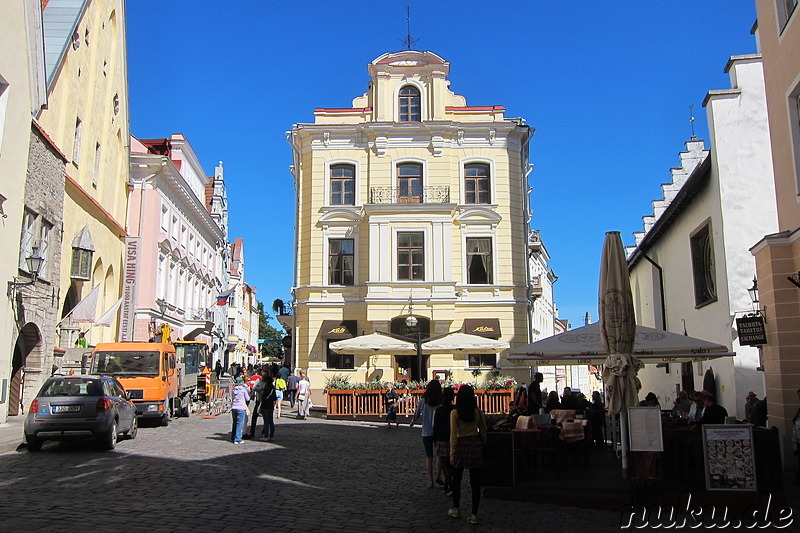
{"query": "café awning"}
(464, 343)
(338, 329)
(582, 346)
(372, 344)
(483, 327)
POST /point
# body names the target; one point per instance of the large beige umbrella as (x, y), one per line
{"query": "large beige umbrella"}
(374, 343)
(617, 334)
(463, 343)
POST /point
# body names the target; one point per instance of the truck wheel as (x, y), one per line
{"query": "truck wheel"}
(33, 444)
(164, 421)
(186, 407)
(110, 440)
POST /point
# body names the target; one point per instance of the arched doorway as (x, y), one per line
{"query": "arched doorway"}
(28, 340)
(406, 367)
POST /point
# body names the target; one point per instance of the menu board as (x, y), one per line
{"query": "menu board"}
(644, 428)
(728, 457)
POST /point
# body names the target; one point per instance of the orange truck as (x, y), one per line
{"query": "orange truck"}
(160, 378)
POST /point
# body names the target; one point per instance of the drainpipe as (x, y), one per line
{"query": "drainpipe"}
(660, 289)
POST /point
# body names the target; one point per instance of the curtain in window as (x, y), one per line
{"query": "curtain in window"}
(479, 260)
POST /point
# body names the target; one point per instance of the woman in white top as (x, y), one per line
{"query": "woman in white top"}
(303, 396)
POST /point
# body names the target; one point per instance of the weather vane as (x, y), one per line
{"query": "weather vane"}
(691, 120)
(408, 41)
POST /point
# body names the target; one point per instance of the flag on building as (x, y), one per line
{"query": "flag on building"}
(222, 299)
(108, 316)
(86, 309)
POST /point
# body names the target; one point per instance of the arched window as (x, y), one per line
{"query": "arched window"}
(477, 188)
(410, 110)
(343, 184)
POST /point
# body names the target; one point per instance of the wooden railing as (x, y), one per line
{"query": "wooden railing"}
(368, 403)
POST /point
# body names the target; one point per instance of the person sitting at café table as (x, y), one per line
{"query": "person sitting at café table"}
(651, 400)
(682, 405)
(568, 401)
(713, 413)
(696, 410)
(552, 402)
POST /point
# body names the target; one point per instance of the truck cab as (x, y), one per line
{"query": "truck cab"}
(148, 371)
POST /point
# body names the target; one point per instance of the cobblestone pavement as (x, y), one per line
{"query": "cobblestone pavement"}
(317, 475)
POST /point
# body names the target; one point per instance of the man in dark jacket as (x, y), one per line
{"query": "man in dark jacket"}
(291, 388)
(713, 413)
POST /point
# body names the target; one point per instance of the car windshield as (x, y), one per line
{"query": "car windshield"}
(72, 387)
(126, 363)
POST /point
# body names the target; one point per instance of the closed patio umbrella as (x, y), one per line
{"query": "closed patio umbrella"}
(617, 334)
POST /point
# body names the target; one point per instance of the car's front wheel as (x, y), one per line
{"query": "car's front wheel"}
(33, 444)
(110, 440)
(134, 428)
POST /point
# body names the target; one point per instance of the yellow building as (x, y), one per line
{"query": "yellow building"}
(87, 118)
(410, 203)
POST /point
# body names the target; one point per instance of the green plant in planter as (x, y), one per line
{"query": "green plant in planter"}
(494, 372)
(338, 382)
(375, 385)
(476, 373)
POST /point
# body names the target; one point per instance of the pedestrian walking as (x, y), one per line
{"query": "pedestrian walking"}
(258, 388)
(441, 441)
(291, 388)
(268, 397)
(426, 409)
(303, 396)
(390, 398)
(280, 387)
(240, 396)
(467, 438)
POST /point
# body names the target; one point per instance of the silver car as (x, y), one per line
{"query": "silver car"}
(80, 406)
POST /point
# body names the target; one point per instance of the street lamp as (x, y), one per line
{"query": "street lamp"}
(34, 263)
(753, 292)
(411, 322)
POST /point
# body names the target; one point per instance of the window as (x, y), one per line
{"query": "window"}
(231, 326)
(45, 231)
(785, 11)
(81, 263)
(702, 248)
(343, 185)
(96, 175)
(410, 256)
(3, 108)
(482, 360)
(341, 260)
(165, 219)
(476, 184)
(190, 249)
(183, 236)
(160, 281)
(174, 228)
(409, 183)
(410, 110)
(479, 260)
(343, 361)
(76, 147)
(26, 239)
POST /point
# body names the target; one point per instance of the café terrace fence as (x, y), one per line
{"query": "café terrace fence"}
(369, 403)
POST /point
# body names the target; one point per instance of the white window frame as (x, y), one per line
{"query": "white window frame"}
(45, 232)
(76, 146)
(27, 238)
(423, 104)
(462, 189)
(341, 161)
(96, 174)
(175, 228)
(165, 219)
(426, 252)
(472, 234)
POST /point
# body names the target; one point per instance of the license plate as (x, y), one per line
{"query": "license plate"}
(66, 409)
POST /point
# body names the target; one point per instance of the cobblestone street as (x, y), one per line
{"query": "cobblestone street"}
(317, 475)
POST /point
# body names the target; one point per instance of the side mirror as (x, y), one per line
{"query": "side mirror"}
(129, 395)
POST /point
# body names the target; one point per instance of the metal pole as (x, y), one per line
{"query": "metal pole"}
(419, 354)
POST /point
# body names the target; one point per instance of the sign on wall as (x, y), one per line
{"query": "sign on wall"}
(129, 285)
(751, 330)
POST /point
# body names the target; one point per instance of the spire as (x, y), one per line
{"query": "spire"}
(408, 41)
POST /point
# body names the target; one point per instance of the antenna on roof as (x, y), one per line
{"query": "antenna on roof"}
(408, 41)
(691, 121)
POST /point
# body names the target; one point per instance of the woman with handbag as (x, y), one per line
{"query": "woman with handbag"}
(467, 439)
(303, 399)
(239, 398)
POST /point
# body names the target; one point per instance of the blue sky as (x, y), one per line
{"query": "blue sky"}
(606, 85)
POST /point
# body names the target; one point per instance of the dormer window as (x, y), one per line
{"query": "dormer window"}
(410, 109)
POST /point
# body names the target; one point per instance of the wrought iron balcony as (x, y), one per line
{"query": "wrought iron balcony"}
(439, 194)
